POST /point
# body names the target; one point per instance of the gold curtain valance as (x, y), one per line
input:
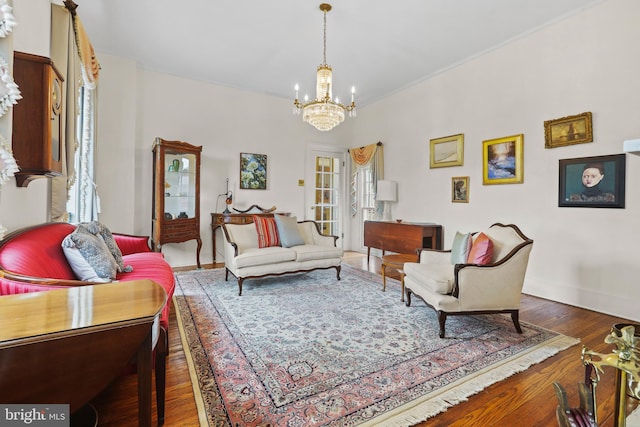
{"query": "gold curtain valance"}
(362, 156)
(90, 65)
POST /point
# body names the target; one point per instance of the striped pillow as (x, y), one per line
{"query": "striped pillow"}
(267, 231)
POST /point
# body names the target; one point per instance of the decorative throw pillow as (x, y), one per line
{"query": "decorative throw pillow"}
(99, 229)
(288, 231)
(460, 248)
(481, 251)
(267, 231)
(89, 256)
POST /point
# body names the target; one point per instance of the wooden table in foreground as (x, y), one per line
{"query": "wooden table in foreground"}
(65, 346)
(401, 237)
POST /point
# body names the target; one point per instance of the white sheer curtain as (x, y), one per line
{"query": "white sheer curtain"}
(370, 156)
(73, 195)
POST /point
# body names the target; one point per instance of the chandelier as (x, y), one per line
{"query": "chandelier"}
(324, 113)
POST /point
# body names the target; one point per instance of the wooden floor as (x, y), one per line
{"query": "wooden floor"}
(524, 399)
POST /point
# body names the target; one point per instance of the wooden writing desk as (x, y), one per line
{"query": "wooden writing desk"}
(67, 345)
(217, 219)
(401, 237)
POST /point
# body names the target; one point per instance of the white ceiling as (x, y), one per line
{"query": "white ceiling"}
(377, 46)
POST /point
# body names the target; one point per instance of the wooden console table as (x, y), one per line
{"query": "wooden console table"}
(217, 219)
(401, 237)
(67, 345)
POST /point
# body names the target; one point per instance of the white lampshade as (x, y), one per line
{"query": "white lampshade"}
(387, 191)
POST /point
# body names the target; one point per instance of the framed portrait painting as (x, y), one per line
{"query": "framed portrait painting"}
(503, 160)
(253, 171)
(460, 189)
(592, 182)
(446, 151)
(568, 130)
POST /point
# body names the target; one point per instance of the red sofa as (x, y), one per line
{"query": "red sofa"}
(32, 260)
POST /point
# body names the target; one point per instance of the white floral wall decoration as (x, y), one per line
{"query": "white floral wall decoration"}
(7, 21)
(9, 92)
(8, 165)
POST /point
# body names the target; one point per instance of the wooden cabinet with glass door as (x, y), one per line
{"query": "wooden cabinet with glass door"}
(176, 194)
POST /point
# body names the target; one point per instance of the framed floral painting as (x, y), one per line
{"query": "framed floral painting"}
(253, 171)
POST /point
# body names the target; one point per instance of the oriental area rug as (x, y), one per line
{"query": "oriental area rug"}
(309, 350)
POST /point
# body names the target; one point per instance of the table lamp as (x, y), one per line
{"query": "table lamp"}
(387, 191)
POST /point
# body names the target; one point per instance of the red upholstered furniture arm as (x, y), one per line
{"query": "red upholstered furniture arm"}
(130, 244)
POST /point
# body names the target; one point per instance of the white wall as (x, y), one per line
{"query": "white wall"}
(136, 106)
(589, 62)
(20, 207)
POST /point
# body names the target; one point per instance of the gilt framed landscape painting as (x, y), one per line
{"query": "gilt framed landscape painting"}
(592, 182)
(446, 151)
(253, 171)
(503, 160)
(568, 130)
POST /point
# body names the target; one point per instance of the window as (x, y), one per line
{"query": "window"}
(83, 203)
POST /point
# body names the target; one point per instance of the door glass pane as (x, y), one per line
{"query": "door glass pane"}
(327, 194)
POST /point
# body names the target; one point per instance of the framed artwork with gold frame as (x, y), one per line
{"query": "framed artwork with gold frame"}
(460, 189)
(446, 151)
(503, 160)
(568, 130)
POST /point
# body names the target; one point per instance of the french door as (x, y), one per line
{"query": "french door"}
(324, 190)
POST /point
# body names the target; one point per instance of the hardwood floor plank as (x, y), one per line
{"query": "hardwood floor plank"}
(524, 399)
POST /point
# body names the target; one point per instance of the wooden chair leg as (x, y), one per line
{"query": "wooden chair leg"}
(240, 280)
(408, 297)
(515, 316)
(161, 350)
(338, 267)
(442, 318)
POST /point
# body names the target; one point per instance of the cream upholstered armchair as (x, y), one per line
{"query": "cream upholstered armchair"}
(483, 273)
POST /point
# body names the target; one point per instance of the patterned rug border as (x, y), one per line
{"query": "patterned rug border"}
(429, 405)
(193, 375)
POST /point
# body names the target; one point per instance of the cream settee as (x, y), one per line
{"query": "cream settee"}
(245, 260)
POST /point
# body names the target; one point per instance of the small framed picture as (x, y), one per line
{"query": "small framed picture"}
(460, 189)
(568, 130)
(592, 182)
(503, 160)
(253, 171)
(447, 151)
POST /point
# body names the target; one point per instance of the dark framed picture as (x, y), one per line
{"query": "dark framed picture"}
(568, 130)
(503, 160)
(592, 182)
(253, 171)
(460, 189)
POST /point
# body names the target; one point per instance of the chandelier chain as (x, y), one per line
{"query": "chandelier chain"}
(325, 38)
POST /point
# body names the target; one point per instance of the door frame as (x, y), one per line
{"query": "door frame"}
(312, 151)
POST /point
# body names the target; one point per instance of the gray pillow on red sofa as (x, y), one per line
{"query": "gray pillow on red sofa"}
(89, 256)
(102, 231)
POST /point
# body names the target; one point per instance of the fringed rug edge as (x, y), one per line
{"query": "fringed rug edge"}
(432, 404)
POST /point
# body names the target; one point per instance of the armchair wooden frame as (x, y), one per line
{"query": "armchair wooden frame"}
(463, 276)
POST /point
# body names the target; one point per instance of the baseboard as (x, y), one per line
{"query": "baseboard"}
(614, 305)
